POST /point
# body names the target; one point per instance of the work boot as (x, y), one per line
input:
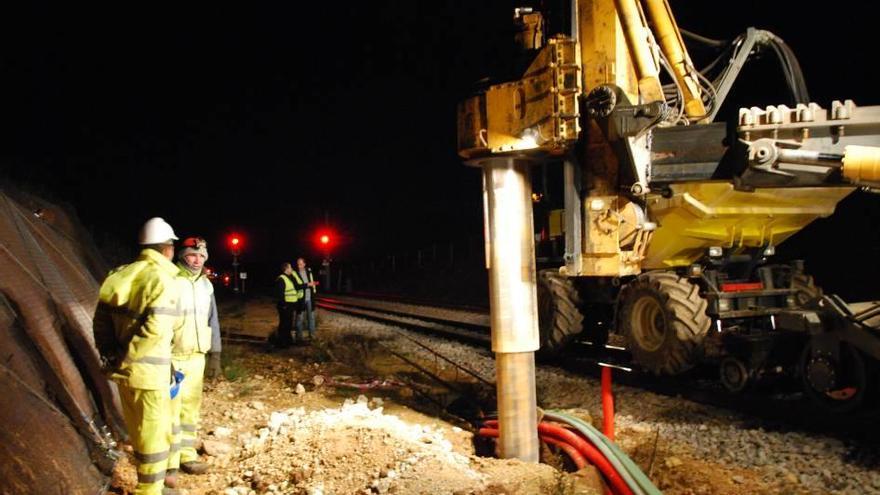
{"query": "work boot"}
(194, 467)
(171, 478)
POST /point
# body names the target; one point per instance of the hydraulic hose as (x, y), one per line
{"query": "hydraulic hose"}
(597, 454)
(607, 404)
(612, 475)
(609, 453)
(576, 457)
(631, 470)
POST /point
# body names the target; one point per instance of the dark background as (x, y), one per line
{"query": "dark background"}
(267, 121)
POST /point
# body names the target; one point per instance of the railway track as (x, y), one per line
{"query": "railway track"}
(780, 408)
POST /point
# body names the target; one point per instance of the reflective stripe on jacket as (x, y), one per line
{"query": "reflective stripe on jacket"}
(192, 333)
(290, 294)
(139, 301)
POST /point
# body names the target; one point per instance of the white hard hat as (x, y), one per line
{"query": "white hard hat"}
(156, 231)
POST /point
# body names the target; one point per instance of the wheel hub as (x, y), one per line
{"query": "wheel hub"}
(821, 373)
(734, 374)
(649, 323)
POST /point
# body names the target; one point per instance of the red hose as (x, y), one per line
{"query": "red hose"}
(576, 457)
(572, 452)
(618, 486)
(585, 448)
(607, 404)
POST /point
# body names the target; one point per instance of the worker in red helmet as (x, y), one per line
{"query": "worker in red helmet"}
(133, 329)
(196, 335)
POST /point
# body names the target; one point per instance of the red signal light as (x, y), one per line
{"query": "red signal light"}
(235, 242)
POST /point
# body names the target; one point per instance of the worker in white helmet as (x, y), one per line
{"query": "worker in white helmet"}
(133, 326)
(196, 335)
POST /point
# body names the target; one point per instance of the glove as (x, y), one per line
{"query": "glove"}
(177, 377)
(213, 368)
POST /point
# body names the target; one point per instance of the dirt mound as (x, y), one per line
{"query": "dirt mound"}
(356, 449)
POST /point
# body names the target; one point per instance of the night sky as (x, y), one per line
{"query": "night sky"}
(266, 120)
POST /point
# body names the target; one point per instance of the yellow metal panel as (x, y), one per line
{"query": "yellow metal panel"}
(604, 54)
(704, 214)
(540, 110)
(557, 226)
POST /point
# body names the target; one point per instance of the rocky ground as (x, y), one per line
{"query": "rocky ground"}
(347, 415)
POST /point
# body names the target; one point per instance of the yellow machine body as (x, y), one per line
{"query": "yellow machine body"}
(621, 44)
(705, 214)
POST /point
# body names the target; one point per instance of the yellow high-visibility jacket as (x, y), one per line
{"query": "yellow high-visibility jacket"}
(194, 329)
(290, 294)
(134, 321)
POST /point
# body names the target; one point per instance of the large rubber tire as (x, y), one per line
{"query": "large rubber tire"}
(663, 318)
(559, 316)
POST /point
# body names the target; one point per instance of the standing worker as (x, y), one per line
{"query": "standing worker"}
(305, 288)
(196, 334)
(133, 328)
(285, 303)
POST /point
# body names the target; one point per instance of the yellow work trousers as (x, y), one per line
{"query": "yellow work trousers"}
(146, 418)
(187, 414)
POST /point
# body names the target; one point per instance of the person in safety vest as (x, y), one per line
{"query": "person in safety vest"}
(133, 328)
(196, 334)
(306, 287)
(285, 302)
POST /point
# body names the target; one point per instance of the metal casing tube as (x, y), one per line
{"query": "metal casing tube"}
(513, 302)
(517, 409)
(512, 278)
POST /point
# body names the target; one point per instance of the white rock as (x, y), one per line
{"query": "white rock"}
(221, 432)
(215, 448)
(276, 419)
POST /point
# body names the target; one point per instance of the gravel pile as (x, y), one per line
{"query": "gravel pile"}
(791, 462)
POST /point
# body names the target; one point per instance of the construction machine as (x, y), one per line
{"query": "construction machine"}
(671, 220)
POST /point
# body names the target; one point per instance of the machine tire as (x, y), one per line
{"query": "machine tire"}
(663, 318)
(855, 379)
(805, 288)
(559, 316)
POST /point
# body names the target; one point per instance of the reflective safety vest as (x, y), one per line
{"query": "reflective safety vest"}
(134, 321)
(290, 293)
(192, 333)
(302, 292)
